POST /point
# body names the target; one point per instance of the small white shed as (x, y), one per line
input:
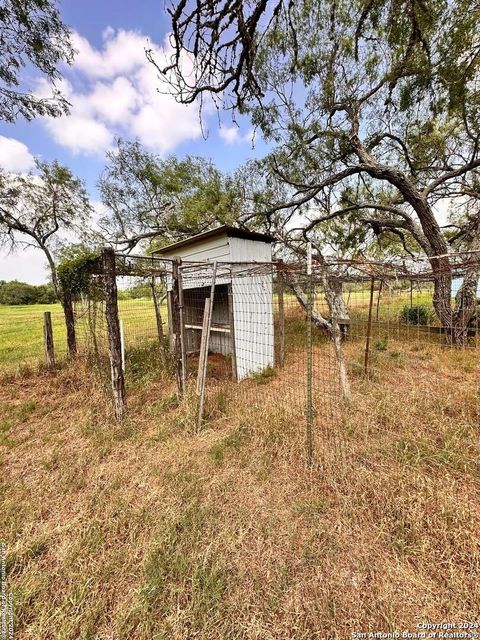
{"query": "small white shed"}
(242, 315)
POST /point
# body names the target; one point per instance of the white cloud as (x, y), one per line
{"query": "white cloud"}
(232, 135)
(15, 156)
(81, 134)
(27, 265)
(113, 102)
(122, 52)
(115, 91)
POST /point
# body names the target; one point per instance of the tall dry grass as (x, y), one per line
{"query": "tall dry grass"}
(145, 530)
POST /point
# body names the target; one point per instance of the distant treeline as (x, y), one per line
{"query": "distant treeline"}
(15, 292)
(140, 290)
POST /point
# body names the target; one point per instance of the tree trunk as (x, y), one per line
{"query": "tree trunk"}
(333, 290)
(465, 308)
(66, 301)
(336, 305)
(429, 237)
(113, 332)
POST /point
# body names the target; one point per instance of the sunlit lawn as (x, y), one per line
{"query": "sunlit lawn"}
(21, 329)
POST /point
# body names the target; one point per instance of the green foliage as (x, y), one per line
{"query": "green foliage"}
(230, 443)
(145, 361)
(265, 375)
(42, 204)
(20, 293)
(32, 35)
(74, 269)
(42, 207)
(163, 198)
(137, 291)
(381, 344)
(179, 564)
(418, 315)
(367, 103)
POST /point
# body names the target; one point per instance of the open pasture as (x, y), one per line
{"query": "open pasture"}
(21, 327)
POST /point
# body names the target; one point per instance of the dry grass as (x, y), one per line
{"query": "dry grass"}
(146, 531)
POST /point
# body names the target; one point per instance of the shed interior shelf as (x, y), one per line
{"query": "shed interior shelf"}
(219, 328)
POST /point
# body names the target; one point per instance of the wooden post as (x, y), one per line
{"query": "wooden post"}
(203, 361)
(203, 337)
(176, 329)
(113, 332)
(48, 339)
(182, 325)
(158, 312)
(69, 323)
(231, 319)
(281, 320)
(369, 325)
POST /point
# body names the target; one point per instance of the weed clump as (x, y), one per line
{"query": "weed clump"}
(265, 375)
(417, 315)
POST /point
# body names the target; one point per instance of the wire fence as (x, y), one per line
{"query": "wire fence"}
(279, 339)
(275, 338)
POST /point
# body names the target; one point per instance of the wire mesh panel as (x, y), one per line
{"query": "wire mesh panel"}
(258, 348)
(311, 351)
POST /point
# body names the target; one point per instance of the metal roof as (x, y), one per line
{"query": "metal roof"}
(230, 232)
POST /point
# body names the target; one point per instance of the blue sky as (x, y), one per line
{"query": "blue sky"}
(113, 91)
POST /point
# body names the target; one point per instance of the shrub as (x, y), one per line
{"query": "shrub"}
(46, 294)
(419, 315)
(74, 270)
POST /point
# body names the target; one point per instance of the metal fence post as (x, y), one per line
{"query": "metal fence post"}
(177, 331)
(369, 325)
(281, 317)
(231, 321)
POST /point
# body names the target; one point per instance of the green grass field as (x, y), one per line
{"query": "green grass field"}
(21, 332)
(21, 329)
